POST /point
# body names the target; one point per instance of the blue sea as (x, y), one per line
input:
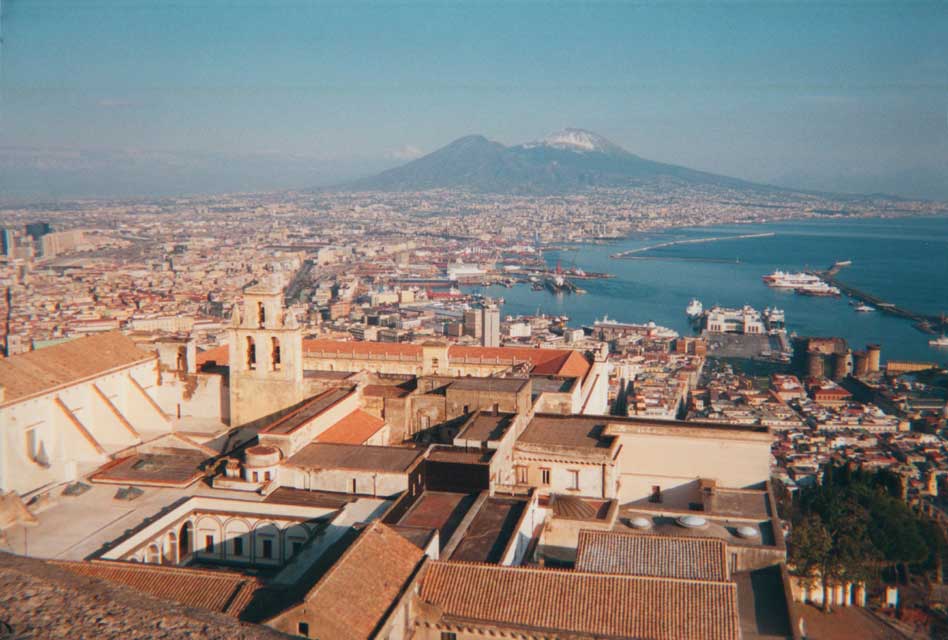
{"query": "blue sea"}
(904, 261)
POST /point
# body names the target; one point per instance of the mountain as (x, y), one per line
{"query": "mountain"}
(567, 161)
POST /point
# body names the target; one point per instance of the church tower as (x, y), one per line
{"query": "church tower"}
(266, 355)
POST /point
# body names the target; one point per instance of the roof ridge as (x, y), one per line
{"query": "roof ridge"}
(572, 572)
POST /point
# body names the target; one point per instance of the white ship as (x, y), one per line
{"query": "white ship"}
(818, 288)
(939, 342)
(694, 309)
(864, 308)
(783, 280)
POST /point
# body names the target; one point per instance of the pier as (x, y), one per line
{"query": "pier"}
(923, 322)
(631, 252)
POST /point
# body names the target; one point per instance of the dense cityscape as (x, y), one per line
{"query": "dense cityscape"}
(326, 320)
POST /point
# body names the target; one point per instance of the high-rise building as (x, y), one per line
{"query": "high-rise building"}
(37, 230)
(474, 323)
(7, 243)
(490, 325)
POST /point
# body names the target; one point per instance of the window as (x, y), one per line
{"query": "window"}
(656, 494)
(449, 635)
(302, 629)
(209, 544)
(251, 353)
(261, 314)
(523, 476)
(545, 477)
(354, 486)
(275, 357)
(434, 363)
(574, 479)
(297, 547)
(238, 546)
(256, 476)
(267, 549)
(266, 476)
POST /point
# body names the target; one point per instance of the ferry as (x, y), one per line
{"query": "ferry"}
(819, 288)
(939, 342)
(864, 308)
(694, 309)
(783, 280)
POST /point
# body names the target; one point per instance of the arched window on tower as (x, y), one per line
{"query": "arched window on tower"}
(251, 353)
(275, 355)
(261, 314)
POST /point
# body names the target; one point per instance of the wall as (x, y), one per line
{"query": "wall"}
(670, 458)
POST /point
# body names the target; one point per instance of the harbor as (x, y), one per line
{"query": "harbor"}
(926, 323)
(630, 253)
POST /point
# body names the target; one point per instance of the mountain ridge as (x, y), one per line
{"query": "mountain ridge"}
(571, 160)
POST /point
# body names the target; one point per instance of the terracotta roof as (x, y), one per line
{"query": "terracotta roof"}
(651, 555)
(44, 600)
(220, 591)
(355, 428)
(218, 355)
(353, 597)
(644, 608)
(569, 432)
(321, 455)
(363, 348)
(45, 369)
(562, 362)
(307, 412)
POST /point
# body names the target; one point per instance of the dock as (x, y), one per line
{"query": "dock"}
(923, 322)
(747, 236)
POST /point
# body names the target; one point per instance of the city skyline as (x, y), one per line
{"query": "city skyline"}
(208, 97)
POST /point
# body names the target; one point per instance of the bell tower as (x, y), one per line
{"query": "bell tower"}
(265, 355)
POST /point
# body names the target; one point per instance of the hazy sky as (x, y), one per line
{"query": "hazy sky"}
(302, 93)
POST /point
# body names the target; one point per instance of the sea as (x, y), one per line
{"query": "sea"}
(900, 260)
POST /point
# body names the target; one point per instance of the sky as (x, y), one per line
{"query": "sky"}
(136, 97)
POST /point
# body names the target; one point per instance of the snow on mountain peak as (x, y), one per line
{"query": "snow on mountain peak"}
(576, 140)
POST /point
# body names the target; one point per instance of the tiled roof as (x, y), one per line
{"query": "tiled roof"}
(651, 555)
(355, 428)
(220, 591)
(45, 369)
(353, 597)
(45, 600)
(320, 455)
(572, 432)
(562, 362)
(218, 355)
(583, 603)
(364, 349)
(307, 412)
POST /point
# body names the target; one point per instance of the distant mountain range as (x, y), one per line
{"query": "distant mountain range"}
(569, 161)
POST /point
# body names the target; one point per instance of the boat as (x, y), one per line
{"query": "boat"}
(783, 280)
(694, 309)
(864, 308)
(818, 289)
(939, 342)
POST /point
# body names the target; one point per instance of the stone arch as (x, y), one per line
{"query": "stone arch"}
(153, 554)
(237, 529)
(266, 532)
(208, 531)
(185, 539)
(251, 353)
(295, 536)
(276, 357)
(171, 548)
